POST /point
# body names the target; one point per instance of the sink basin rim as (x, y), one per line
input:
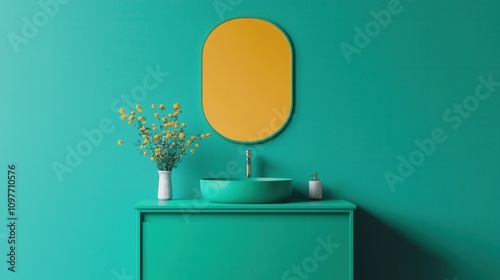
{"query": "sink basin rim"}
(251, 179)
(253, 190)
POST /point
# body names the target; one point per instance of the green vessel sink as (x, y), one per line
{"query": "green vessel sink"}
(246, 190)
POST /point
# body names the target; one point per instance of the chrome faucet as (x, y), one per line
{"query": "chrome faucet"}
(249, 163)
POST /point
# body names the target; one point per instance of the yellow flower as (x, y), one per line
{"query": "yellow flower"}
(208, 134)
(165, 134)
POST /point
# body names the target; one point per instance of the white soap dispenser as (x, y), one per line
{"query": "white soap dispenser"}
(315, 187)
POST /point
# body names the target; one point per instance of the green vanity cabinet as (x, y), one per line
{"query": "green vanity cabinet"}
(199, 240)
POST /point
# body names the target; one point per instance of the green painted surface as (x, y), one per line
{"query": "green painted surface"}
(352, 122)
(229, 241)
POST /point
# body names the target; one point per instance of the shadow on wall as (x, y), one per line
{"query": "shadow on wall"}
(382, 253)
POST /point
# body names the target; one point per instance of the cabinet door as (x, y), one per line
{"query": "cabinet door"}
(247, 246)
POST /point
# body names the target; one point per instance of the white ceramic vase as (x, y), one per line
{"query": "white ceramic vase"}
(164, 185)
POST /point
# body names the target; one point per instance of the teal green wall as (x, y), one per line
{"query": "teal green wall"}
(354, 122)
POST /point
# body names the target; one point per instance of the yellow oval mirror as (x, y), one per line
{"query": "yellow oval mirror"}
(247, 79)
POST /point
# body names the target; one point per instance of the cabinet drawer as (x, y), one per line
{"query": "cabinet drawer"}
(246, 246)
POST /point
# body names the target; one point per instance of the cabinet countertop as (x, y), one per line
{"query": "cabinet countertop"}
(200, 205)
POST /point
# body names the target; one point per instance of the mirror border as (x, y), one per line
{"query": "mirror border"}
(292, 80)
